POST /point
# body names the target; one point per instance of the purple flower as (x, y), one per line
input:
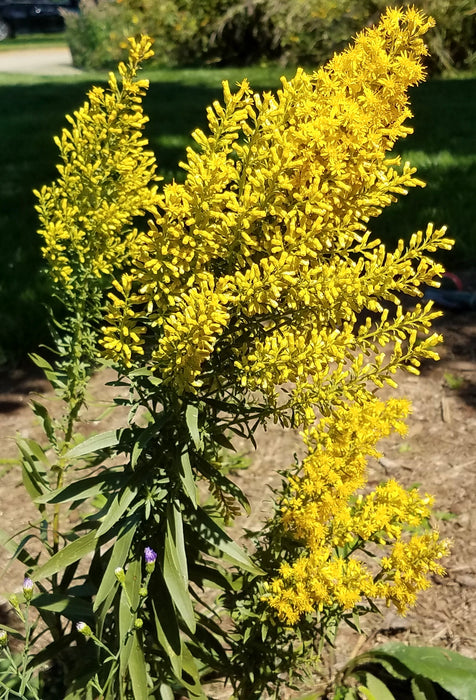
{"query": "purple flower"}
(150, 557)
(27, 588)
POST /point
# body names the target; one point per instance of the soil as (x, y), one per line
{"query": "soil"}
(439, 453)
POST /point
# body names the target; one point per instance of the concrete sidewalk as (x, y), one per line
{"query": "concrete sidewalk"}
(50, 61)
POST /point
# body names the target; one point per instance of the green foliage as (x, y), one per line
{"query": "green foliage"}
(396, 670)
(453, 381)
(189, 32)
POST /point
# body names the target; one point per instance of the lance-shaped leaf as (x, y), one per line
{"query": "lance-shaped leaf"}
(175, 567)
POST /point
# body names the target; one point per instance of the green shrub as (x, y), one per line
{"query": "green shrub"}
(188, 32)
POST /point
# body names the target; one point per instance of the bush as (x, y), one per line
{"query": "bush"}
(188, 32)
(254, 294)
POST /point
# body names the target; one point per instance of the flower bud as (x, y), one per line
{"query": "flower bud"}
(120, 575)
(13, 600)
(138, 623)
(150, 557)
(27, 588)
(84, 629)
(3, 639)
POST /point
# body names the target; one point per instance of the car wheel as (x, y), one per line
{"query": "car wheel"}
(5, 30)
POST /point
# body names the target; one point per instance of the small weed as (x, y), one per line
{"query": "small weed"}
(405, 447)
(453, 381)
(444, 515)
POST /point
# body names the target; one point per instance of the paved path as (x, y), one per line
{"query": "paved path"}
(51, 61)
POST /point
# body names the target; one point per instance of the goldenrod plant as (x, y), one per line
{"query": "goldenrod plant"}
(254, 293)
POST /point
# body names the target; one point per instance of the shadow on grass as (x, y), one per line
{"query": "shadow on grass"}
(31, 114)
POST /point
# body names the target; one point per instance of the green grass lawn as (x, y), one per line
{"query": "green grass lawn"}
(32, 111)
(33, 41)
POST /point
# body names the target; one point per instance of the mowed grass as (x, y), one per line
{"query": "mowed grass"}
(33, 41)
(32, 111)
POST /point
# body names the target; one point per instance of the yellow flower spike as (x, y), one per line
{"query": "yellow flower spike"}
(326, 516)
(106, 180)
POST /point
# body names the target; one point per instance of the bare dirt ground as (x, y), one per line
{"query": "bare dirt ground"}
(439, 453)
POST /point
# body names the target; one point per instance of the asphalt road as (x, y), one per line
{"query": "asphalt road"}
(50, 61)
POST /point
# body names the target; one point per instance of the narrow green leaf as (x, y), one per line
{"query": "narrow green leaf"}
(191, 417)
(186, 477)
(69, 606)
(30, 484)
(42, 413)
(218, 538)
(145, 436)
(48, 370)
(33, 448)
(137, 669)
(190, 675)
(83, 488)
(223, 441)
(72, 552)
(33, 467)
(204, 575)
(118, 507)
(168, 632)
(175, 567)
(95, 443)
(118, 557)
(16, 550)
(126, 613)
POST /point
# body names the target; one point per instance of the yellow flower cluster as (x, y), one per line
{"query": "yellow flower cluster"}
(335, 526)
(105, 180)
(259, 268)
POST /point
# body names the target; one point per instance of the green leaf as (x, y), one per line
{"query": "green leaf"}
(218, 538)
(16, 550)
(118, 557)
(83, 488)
(423, 689)
(145, 436)
(42, 413)
(33, 467)
(69, 606)
(50, 373)
(191, 417)
(137, 669)
(186, 477)
(223, 441)
(366, 693)
(127, 605)
(168, 632)
(190, 675)
(72, 552)
(454, 672)
(378, 688)
(175, 567)
(95, 443)
(204, 575)
(32, 448)
(118, 507)
(166, 692)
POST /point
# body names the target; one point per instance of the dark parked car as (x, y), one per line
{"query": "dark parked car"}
(26, 16)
